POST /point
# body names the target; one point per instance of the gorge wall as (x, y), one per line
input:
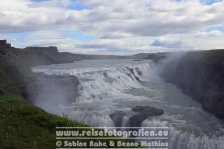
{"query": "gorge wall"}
(16, 75)
(199, 74)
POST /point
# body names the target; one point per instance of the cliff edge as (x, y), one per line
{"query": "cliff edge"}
(22, 124)
(200, 75)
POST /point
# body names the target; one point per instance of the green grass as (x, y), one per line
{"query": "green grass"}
(23, 126)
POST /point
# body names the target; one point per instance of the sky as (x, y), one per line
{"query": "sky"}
(119, 27)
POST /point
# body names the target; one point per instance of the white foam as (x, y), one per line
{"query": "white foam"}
(104, 90)
(100, 87)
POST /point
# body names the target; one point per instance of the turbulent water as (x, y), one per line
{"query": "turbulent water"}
(107, 86)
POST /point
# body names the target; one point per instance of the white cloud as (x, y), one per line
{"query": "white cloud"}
(167, 43)
(120, 25)
(213, 33)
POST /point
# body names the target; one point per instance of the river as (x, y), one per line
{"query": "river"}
(107, 86)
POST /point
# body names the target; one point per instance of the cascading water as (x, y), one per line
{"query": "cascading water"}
(107, 86)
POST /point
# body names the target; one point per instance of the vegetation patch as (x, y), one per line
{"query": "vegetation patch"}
(24, 126)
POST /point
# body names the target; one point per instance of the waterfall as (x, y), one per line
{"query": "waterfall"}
(107, 86)
(100, 87)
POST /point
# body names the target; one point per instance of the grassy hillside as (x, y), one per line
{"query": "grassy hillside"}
(24, 126)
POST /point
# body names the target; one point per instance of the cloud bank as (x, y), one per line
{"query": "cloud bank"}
(114, 27)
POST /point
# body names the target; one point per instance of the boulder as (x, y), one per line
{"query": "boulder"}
(143, 113)
(138, 108)
(148, 111)
(136, 120)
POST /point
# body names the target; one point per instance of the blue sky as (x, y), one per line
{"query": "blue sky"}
(114, 27)
(75, 6)
(81, 37)
(210, 2)
(220, 28)
(76, 36)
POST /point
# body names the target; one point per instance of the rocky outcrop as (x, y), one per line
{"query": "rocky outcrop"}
(200, 75)
(143, 112)
(4, 44)
(17, 77)
(135, 120)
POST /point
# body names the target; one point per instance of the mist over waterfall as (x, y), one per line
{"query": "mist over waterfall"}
(107, 86)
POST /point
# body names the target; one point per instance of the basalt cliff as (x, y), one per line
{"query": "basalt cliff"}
(200, 74)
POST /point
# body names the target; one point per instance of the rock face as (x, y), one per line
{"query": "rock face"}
(4, 44)
(200, 75)
(17, 77)
(143, 112)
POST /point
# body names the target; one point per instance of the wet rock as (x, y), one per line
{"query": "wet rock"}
(105, 74)
(138, 71)
(117, 118)
(148, 111)
(151, 111)
(143, 113)
(137, 78)
(132, 73)
(136, 120)
(107, 78)
(138, 108)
